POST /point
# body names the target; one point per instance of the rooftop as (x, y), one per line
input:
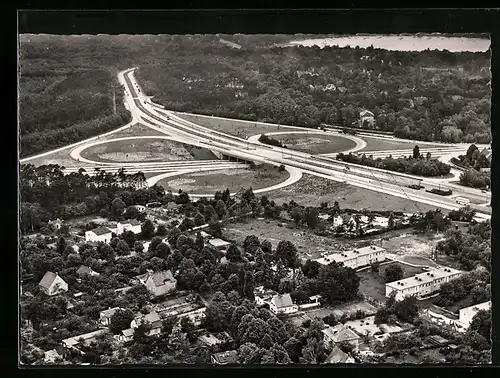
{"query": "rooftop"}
(348, 255)
(132, 222)
(337, 356)
(47, 280)
(339, 333)
(218, 242)
(281, 301)
(423, 278)
(159, 278)
(109, 312)
(71, 341)
(477, 307)
(101, 231)
(228, 357)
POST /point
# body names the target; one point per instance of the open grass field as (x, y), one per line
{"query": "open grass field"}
(241, 129)
(209, 182)
(144, 150)
(311, 191)
(315, 143)
(372, 285)
(309, 245)
(376, 144)
(138, 129)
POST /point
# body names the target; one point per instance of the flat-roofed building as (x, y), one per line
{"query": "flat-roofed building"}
(421, 284)
(356, 258)
(465, 315)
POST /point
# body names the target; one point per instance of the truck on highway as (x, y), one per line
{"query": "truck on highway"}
(462, 201)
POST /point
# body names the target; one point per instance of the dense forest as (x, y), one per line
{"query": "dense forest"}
(67, 85)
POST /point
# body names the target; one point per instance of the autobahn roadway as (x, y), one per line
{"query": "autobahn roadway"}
(191, 133)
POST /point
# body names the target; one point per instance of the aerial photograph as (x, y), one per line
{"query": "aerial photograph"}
(216, 199)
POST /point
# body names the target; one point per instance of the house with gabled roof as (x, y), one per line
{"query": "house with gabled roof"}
(339, 334)
(160, 283)
(52, 284)
(99, 234)
(105, 316)
(282, 304)
(130, 225)
(152, 320)
(337, 356)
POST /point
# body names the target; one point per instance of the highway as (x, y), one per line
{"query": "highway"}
(142, 107)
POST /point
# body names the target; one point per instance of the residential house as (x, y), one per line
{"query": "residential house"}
(160, 283)
(219, 244)
(465, 315)
(263, 296)
(152, 319)
(345, 219)
(282, 304)
(105, 316)
(224, 358)
(339, 334)
(337, 356)
(140, 208)
(313, 301)
(210, 339)
(130, 225)
(172, 207)
(422, 284)
(366, 118)
(85, 270)
(126, 335)
(99, 234)
(356, 258)
(74, 342)
(52, 284)
(57, 224)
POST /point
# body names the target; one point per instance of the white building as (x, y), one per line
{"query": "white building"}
(219, 243)
(263, 296)
(130, 225)
(99, 234)
(422, 284)
(282, 304)
(52, 284)
(152, 319)
(159, 283)
(339, 334)
(355, 258)
(367, 116)
(465, 315)
(105, 316)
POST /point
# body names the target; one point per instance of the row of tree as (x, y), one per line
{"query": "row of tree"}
(419, 167)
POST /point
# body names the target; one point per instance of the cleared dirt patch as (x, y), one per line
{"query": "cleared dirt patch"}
(241, 129)
(312, 190)
(315, 143)
(212, 181)
(140, 150)
(375, 144)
